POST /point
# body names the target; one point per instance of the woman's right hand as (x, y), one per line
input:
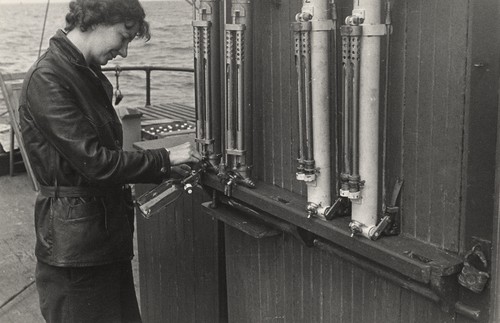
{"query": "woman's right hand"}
(183, 154)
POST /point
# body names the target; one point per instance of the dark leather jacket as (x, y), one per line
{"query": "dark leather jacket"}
(84, 213)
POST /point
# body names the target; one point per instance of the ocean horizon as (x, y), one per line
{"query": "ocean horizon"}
(170, 45)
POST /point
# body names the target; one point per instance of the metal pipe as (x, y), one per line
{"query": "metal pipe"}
(207, 83)
(229, 91)
(300, 106)
(346, 115)
(354, 48)
(198, 78)
(211, 14)
(240, 71)
(202, 30)
(339, 140)
(148, 87)
(241, 11)
(306, 53)
(388, 25)
(319, 191)
(364, 210)
(147, 68)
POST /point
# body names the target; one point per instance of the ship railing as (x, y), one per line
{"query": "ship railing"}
(147, 69)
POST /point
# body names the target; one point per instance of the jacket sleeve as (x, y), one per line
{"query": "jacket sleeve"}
(58, 117)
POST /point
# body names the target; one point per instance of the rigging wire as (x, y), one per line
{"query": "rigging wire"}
(43, 29)
(10, 299)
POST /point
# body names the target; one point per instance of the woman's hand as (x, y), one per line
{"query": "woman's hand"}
(183, 154)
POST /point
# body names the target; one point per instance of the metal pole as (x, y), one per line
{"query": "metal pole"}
(241, 89)
(346, 115)
(364, 210)
(354, 178)
(306, 52)
(319, 191)
(229, 91)
(148, 87)
(241, 10)
(300, 107)
(388, 25)
(198, 87)
(207, 83)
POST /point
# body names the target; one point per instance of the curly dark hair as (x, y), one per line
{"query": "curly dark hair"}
(87, 13)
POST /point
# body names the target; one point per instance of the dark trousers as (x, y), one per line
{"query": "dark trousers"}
(87, 294)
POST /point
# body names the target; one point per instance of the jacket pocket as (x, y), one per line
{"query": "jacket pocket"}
(79, 231)
(85, 211)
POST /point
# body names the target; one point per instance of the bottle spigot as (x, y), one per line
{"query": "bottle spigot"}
(188, 188)
(355, 227)
(312, 209)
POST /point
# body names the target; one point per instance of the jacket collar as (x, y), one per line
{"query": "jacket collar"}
(62, 44)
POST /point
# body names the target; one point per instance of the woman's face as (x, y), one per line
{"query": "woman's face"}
(109, 41)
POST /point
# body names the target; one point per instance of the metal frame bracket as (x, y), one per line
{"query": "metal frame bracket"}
(374, 30)
(322, 25)
(201, 23)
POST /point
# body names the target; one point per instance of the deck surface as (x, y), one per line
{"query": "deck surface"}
(175, 111)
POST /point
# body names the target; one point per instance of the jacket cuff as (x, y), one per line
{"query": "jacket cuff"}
(165, 162)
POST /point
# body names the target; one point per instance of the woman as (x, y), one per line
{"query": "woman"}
(84, 212)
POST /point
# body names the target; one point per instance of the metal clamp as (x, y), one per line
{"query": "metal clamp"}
(474, 275)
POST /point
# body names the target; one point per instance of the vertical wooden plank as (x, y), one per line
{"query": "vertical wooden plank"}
(410, 113)
(243, 278)
(275, 99)
(289, 280)
(336, 288)
(280, 280)
(424, 119)
(447, 158)
(347, 292)
(186, 256)
(357, 294)
(293, 282)
(396, 98)
(455, 119)
(327, 293)
(267, 161)
(439, 187)
(296, 186)
(307, 286)
(286, 45)
(368, 293)
(205, 279)
(286, 67)
(168, 279)
(481, 120)
(258, 132)
(269, 259)
(388, 301)
(316, 306)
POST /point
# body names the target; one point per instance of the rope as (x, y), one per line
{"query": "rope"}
(16, 294)
(43, 29)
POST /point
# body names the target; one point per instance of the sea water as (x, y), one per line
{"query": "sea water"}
(21, 27)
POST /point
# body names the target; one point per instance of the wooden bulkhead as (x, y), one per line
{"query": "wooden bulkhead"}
(265, 261)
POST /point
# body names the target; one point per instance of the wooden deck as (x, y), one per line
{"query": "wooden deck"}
(17, 260)
(174, 111)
